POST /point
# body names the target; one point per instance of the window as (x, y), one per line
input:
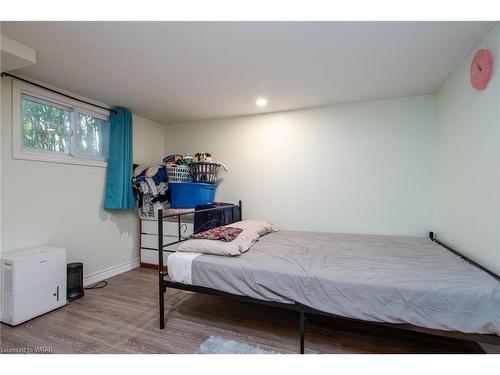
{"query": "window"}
(45, 127)
(51, 127)
(91, 137)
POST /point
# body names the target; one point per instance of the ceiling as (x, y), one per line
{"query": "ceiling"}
(184, 71)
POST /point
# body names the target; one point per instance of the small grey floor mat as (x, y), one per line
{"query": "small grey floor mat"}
(220, 345)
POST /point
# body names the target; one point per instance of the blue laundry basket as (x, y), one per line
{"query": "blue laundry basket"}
(191, 194)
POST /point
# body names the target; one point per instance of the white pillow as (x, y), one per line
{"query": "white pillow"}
(252, 230)
(255, 226)
(239, 245)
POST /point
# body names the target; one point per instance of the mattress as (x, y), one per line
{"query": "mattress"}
(369, 277)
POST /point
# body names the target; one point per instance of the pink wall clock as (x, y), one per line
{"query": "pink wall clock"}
(481, 69)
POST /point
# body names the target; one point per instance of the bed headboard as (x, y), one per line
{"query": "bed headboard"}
(205, 217)
(226, 214)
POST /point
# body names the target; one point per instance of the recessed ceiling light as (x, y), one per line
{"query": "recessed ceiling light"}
(261, 102)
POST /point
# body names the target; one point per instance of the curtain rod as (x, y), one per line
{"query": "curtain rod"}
(3, 74)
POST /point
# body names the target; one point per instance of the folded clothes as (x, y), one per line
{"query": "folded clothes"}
(152, 170)
(226, 234)
(140, 169)
(156, 172)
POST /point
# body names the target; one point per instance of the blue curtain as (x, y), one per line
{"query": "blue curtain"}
(119, 193)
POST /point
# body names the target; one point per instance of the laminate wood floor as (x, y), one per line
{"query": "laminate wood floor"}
(123, 318)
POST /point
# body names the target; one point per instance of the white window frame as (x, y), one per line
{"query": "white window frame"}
(18, 90)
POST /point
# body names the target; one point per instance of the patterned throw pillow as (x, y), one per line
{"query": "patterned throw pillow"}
(226, 234)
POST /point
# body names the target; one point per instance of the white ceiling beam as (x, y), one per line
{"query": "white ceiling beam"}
(15, 55)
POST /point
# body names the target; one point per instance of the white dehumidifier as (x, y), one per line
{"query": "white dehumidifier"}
(33, 283)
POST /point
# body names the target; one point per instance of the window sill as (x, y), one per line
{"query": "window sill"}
(24, 155)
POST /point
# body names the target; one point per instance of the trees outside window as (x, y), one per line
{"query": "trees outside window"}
(45, 127)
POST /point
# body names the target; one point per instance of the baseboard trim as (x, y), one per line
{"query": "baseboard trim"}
(153, 266)
(110, 272)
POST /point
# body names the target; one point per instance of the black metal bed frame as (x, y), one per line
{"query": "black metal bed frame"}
(298, 307)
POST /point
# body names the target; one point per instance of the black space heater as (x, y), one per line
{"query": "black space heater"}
(75, 281)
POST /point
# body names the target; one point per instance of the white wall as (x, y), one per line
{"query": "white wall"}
(467, 162)
(61, 204)
(358, 168)
(148, 140)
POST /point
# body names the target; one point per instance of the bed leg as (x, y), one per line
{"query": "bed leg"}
(161, 281)
(162, 308)
(302, 324)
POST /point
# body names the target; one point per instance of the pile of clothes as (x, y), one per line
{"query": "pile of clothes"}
(178, 159)
(150, 182)
(150, 186)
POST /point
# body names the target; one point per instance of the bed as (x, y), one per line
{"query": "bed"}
(411, 283)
